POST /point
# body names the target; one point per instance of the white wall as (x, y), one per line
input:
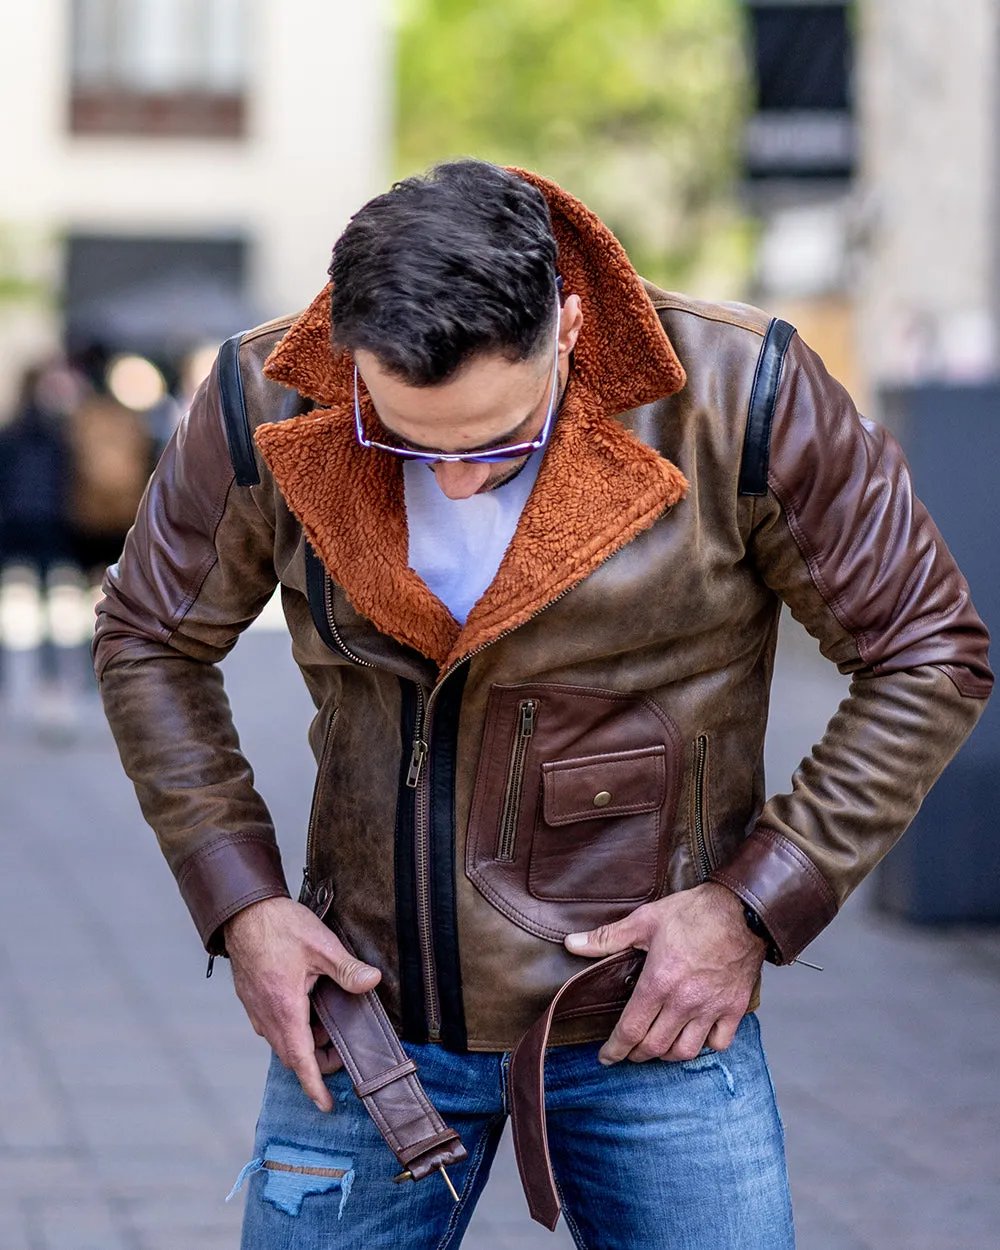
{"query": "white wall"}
(317, 147)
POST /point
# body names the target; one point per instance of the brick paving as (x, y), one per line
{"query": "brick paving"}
(129, 1083)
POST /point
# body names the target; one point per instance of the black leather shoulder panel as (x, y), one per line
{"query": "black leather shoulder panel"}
(234, 413)
(760, 414)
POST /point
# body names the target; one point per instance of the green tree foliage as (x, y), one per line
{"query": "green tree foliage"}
(21, 254)
(633, 105)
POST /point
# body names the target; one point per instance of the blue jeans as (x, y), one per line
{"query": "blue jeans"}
(686, 1155)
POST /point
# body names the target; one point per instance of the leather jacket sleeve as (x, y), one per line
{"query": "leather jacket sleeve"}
(196, 569)
(843, 540)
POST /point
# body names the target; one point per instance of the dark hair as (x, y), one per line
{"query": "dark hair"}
(445, 266)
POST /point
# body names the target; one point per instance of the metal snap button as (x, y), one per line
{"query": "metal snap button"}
(602, 798)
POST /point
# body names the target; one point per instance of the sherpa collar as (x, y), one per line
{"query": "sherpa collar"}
(598, 486)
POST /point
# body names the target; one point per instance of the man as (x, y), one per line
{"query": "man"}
(533, 521)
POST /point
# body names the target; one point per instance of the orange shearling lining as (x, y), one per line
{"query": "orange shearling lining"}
(598, 487)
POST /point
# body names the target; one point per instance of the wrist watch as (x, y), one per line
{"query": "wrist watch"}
(760, 929)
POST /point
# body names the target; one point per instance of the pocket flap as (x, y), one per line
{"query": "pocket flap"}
(595, 787)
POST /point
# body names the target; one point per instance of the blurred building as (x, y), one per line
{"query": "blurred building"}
(928, 256)
(801, 157)
(871, 163)
(175, 169)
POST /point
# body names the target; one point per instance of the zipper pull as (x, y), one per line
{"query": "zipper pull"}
(416, 762)
(528, 718)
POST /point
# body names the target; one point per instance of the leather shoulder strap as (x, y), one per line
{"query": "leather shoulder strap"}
(234, 413)
(240, 441)
(760, 414)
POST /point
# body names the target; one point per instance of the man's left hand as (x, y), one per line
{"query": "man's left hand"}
(695, 986)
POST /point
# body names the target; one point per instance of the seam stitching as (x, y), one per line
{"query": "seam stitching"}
(216, 845)
(831, 601)
(205, 569)
(720, 318)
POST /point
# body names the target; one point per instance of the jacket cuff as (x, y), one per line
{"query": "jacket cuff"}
(222, 878)
(783, 886)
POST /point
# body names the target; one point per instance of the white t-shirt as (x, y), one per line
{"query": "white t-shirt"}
(456, 545)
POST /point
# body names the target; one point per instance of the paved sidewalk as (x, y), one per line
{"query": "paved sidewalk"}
(129, 1083)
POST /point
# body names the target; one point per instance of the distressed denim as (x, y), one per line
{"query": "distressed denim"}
(663, 1156)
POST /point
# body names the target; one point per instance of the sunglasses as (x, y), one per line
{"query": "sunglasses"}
(489, 455)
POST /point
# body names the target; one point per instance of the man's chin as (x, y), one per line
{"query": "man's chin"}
(503, 478)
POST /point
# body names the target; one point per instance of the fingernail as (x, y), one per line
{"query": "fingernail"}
(319, 1106)
(576, 941)
(604, 1061)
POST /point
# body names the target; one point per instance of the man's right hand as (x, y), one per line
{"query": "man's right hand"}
(278, 949)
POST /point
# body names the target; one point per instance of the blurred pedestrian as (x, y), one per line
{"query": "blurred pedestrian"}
(40, 610)
(534, 521)
(35, 471)
(112, 451)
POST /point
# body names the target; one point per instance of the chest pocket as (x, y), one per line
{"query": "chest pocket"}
(596, 833)
(576, 791)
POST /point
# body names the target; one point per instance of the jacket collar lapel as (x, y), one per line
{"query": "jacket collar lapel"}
(598, 486)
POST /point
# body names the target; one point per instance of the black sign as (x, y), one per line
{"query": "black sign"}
(801, 56)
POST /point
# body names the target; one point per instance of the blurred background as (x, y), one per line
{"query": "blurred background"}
(176, 171)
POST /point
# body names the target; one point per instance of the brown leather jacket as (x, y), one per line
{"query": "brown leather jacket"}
(592, 737)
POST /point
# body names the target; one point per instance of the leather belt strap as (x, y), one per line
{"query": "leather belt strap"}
(385, 1079)
(602, 988)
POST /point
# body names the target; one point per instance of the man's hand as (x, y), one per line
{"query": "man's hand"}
(695, 986)
(278, 949)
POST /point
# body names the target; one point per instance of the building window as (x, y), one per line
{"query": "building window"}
(159, 67)
(802, 58)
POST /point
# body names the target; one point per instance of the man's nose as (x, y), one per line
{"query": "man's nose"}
(460, 480)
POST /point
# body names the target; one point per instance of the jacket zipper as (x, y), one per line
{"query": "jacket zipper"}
(700, 776)
(507, 837)
(418, 780)
(332, 625)
(314, 808)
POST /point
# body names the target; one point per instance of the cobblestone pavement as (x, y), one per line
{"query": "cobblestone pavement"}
(129, 1083)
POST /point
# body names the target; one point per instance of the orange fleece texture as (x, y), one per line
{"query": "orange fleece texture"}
(598, 487)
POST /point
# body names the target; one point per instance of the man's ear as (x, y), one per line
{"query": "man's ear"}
(570, 323)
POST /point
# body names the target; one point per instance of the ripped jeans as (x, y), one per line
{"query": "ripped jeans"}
(663, 1156)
